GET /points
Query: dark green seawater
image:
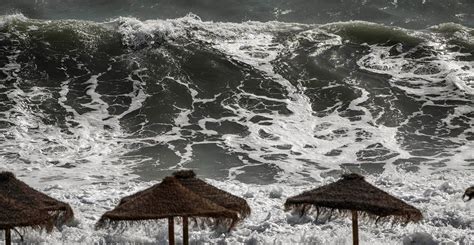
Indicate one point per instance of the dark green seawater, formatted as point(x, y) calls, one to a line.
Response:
point(256, 100)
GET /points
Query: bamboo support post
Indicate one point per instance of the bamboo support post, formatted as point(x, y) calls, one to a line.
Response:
point(8, 237)
point(171, 231)
point(355, 228)
point(185, 231)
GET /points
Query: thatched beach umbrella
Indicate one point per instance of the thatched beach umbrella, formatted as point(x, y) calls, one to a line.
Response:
point(353, 194)
point(13, 188)
point(16, 214)
point(469, 193)
point(167, 200)
point(222, 198)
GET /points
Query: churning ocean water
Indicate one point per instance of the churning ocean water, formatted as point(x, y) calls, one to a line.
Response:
point(265, 99)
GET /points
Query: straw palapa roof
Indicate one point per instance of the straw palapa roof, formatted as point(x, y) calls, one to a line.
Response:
point(188, 179)
point(352, 192)
point(15, 214)
point(165, 200)
point(222, 198)
point(12, 188)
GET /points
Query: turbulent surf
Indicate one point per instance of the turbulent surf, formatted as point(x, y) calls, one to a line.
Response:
point(92, 110)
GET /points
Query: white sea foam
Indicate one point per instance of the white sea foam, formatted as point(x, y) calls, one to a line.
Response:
point(4, 19)
point(446, 217)
point(423, 71)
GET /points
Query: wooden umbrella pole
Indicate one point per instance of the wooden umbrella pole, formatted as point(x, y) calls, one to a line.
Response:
point(355, 228)
point(8, 237)
point(185, 231)
point(171, 230)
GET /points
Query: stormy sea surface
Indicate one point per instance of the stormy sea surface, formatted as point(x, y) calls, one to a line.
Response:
point(264, 99)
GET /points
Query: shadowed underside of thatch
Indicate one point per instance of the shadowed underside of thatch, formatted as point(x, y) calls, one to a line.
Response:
point(15, 214)
point(164, 200)
point(188, 179)
point(15, 189)
point(352, 192)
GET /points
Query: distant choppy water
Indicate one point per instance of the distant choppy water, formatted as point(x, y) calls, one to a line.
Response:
point(416, 14)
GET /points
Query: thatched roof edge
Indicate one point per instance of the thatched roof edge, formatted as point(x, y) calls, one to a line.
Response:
point(61, 212)
point(305, 209)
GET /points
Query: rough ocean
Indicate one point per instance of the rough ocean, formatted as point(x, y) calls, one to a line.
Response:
point(264, 99)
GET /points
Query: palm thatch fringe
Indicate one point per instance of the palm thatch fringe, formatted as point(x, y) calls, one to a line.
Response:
point(122, 225)
point(21, 230)
point(193, 221)
point(306, 209)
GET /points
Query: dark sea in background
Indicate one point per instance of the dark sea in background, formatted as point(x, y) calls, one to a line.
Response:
point(95, 92)
point(412, 14)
